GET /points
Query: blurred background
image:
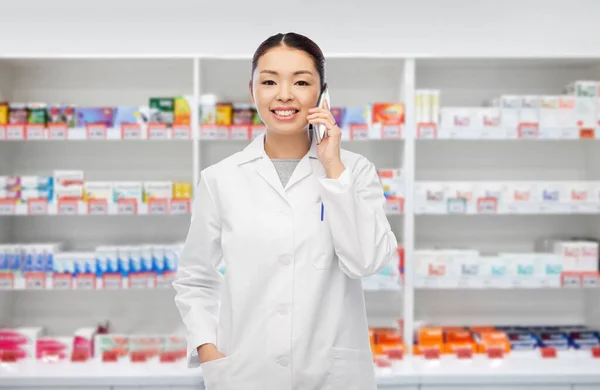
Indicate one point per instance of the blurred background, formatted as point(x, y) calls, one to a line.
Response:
point(483, 119)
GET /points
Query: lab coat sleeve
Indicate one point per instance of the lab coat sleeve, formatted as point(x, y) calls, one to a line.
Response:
point(198, 280)
point(354, 208)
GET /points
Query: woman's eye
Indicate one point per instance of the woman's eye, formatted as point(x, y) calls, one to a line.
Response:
point(268, 82)
point(302, 83)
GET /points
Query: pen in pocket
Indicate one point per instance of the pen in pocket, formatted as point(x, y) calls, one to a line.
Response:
point(322, 211)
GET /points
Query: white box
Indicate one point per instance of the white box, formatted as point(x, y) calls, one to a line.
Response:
point(488, 121)
point(99, 190)
point(431, 197)
point(456, 191)
point(582, 88)
point(157, 190)
point(578, 192)
point(490, 191)
point(71, 191)
point(586, 115)
point(68, 178)
point(530, 110)
point(569, 252)
point(588, 256)
point(553, 197)
point(127, 190)
point(549, 268)
point(549, 112)
point(567, 117)
point(521, 197)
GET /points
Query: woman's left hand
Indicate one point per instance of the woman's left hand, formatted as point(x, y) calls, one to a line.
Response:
point(329, 148)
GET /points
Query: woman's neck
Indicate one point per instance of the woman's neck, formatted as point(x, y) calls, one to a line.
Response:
point(287, 146)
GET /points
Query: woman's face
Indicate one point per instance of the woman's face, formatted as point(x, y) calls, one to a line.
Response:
point(285, 85)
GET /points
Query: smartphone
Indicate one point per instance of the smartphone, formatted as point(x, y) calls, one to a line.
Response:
point(319, 129)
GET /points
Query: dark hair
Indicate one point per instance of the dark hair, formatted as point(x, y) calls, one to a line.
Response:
point(295, 41)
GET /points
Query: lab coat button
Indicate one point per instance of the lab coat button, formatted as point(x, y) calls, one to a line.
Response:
point(283, 362)
point(286, 260)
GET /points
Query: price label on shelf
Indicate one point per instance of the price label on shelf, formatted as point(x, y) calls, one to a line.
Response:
point(590, 280)
point(138, 357)
point(35, 280)
point(223, 132)
point(596, 352)
point(7, 207)
point(62, 281)
point(180, 206)
point(587, 133)
point(457, 206)
point(15, 132)
point(109, 356)
point(391, 132)
point(37, 206)
point(495, 353)
point(208, 131)
point(427, 131)
point(168, 357)
point(8, 356)
point(529, 130)
point(80, 355)
point(359, 132)
point(257, 130)
point(487, 205)
point(58, 131)
point(7, 281)
point(240, 132)
point(158, 206)
point(158, 131)
point(431, 353)
point(464, 352)
point(35, 132)
point(68, 207)
point(127, 207)
point(85, 282)
point(181, 132)
point(139, 281)
point(165, 280)
point(97, 207)
point(112, 281)
point(394, 206)
point(548, 352)
point(570, 280)
point(131, 131)
point(96, 131)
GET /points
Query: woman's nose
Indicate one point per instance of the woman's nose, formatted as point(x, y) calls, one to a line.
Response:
point(285, 93)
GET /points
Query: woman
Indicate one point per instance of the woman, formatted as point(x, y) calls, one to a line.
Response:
point(297, 225)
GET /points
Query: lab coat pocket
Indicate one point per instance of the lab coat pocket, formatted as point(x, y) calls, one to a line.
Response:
point(214, 374)
point(353, 370)
point(321, 240)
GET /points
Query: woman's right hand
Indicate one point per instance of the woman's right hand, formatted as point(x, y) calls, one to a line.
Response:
point(208, 353)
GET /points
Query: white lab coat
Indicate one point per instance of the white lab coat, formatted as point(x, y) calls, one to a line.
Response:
point(289, 312)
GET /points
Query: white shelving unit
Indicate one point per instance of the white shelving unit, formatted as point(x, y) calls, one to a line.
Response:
point(353, 80)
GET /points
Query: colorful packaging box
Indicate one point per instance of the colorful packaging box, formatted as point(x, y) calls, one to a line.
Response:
point(95, 115)
point(165, 109)
point(388, 114)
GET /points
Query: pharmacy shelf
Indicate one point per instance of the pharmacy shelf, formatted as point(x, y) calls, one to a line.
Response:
point(41, 281)
point(530, 133)
point(96, 132)
point(157, 207)
point(160, 132)
point(568, 280)
point(568, 369)
point(167, 207)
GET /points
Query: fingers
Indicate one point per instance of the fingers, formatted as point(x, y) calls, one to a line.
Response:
point(329, 124)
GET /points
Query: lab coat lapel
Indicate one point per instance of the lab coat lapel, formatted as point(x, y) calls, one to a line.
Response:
point(255, 155)
point(306, 166)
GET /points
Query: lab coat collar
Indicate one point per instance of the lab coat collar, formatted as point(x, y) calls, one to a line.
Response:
point(256, 149)
point(265, 168)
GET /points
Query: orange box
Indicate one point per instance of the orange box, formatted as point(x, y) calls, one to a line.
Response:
point(388, 113)
point(458, 335)
point(493, 339)
point(429, 338)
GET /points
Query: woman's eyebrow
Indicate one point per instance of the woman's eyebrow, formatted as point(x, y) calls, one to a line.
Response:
point(295, 73)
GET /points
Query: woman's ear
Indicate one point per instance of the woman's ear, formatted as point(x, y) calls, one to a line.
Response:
point(251, 93)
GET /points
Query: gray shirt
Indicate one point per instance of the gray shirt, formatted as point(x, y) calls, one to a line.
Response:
point(285, 167)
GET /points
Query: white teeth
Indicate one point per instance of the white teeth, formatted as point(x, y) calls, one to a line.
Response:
point(285, 112)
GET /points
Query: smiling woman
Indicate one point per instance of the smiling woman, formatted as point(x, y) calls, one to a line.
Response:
point(290, 313)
